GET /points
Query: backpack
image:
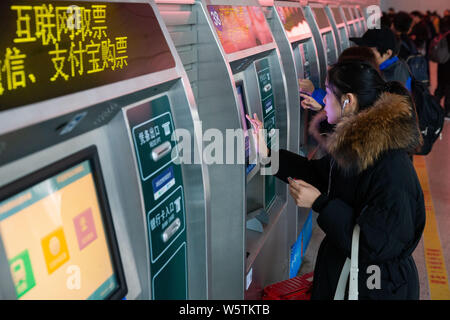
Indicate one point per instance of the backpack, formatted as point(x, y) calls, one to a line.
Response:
point(417, 63)
point(439, 51)
point(430, 114)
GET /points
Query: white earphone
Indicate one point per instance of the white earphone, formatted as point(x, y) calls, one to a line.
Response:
point(346, 102)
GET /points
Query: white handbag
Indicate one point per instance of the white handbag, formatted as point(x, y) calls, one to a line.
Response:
point(350, 267)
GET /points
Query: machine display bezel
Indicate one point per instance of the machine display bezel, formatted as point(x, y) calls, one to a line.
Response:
point(247, 128)
point(89, 154)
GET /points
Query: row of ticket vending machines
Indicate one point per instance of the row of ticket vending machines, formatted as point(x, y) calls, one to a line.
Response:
point(127, 167)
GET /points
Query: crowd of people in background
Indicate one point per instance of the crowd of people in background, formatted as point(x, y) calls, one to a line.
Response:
point(400, 50)
point(415, 33)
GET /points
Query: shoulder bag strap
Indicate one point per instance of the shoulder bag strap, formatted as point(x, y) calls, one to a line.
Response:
point(353, 292)
point(350, 267)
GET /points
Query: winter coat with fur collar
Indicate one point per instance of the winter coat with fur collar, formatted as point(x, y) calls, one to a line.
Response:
point(368, 179)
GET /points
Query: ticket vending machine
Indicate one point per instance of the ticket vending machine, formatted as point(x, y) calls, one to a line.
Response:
point(299, 57)
point(362, 21)
point(351, 22)
point(234, 67)
point(93, 202)
point(338, 24)
point(324, 35)
point(297, 50)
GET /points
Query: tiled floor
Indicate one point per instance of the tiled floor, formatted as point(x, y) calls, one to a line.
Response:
point(438, 168)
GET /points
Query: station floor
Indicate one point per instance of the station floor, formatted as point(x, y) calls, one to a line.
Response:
point(432, 255)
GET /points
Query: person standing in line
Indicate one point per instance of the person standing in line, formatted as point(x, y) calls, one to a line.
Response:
point(385, 46)
point(443, 88)
point(401, 27)
point(420, 33)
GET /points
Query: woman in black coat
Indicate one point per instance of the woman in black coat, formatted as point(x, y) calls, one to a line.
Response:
point(368, 179)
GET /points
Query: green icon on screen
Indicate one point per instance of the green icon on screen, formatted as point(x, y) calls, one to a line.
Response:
point(22, 273)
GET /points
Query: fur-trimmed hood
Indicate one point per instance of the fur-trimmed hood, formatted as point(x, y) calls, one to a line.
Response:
point(360, 139)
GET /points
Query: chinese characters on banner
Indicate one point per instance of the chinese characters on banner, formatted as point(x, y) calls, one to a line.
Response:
point(75, 38)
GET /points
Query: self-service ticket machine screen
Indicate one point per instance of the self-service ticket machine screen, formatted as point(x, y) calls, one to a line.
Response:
point(56, 222)
point(250, 145)
point(261, 102)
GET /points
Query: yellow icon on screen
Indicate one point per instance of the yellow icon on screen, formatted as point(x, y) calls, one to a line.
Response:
point(55, 250)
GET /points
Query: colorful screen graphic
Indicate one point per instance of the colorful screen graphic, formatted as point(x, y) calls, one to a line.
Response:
point(53, 48)
point(239, 27)
point(293, 21)
point(337, 15)
point(54, 238)
point(321, 18)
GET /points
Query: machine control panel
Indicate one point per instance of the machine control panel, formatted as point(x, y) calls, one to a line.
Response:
point(268, 105)
point(152, 129)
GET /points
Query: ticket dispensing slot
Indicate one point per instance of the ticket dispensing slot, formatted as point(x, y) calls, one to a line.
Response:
point(161, 150)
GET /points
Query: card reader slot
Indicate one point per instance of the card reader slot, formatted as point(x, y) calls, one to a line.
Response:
point(161, 150)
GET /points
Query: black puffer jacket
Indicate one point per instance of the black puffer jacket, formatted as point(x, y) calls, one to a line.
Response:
point(367, 179)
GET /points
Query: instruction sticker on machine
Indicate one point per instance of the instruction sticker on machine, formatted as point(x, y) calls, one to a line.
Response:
point(154, 145)
point(166, 222)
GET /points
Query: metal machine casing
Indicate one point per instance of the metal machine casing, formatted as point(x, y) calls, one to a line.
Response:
point(238, 258)
point(33, 136)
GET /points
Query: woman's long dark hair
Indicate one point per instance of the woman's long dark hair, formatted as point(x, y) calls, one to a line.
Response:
point(361, 79)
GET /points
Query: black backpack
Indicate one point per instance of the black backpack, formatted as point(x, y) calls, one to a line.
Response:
point(430, 113)
point(439, 51)
point(417, 63)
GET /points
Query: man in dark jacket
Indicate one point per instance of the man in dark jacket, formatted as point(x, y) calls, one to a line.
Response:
point(401, 27)
point(385, 47)
point(420, 33)
point(443, 89)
